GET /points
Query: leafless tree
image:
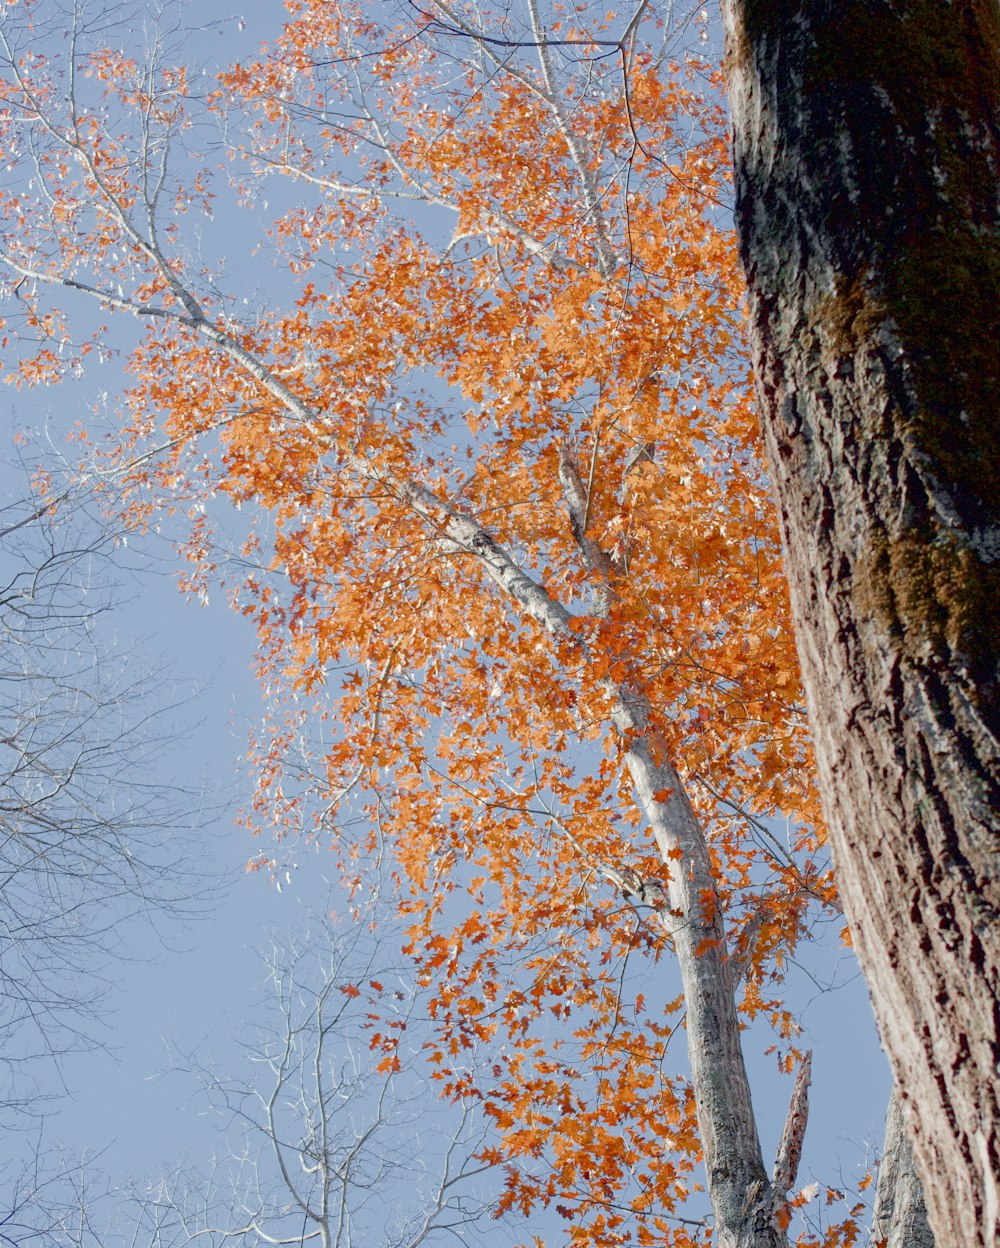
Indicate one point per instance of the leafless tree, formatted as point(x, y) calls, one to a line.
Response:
point(334, 1134)
point(89, 838)
point(52, 1201)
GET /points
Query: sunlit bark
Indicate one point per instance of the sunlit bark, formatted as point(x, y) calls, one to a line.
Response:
point(866, 152)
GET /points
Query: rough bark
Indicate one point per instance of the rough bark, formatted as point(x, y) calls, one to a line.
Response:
point(867, 145)
point(900, 1214)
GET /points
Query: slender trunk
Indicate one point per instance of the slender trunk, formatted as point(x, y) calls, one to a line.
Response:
point(900, 1214)
point(743, 1199)
point(867, 146)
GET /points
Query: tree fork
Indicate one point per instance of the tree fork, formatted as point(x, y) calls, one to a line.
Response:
point(867, 147)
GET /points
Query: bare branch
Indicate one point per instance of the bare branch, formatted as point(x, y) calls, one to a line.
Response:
point(786, 1162)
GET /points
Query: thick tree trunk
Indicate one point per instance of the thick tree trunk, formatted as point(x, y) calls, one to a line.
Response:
point(867, 144)
point(900, 1214)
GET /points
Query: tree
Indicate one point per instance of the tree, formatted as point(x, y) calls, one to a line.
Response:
point(49, 1201)
point(516, 576)
point(90, 842)
point(329, 1140)
point(900, 1215)
point(324, 1141)
point(866, 140)
point(89, 837)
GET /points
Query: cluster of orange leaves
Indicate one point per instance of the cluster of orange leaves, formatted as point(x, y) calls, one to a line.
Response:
point(457, 323)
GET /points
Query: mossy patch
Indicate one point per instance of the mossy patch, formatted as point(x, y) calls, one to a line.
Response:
point(846, 317)
point(934, 594)
point(945, 297)
point(928, 207)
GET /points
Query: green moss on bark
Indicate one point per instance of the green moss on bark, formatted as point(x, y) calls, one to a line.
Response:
point(944, 296)
point(932, 593)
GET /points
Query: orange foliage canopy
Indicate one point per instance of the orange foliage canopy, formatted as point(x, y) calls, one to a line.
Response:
point(512, 557)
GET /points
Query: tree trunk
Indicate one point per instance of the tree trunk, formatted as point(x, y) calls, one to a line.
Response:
point(900, 1214)
point(867, 143)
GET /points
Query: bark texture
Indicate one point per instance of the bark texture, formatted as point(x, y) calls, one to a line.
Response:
point(900, 1214)
point(867, 145)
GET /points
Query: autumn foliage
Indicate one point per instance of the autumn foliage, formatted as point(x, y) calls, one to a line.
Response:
point(510, 554)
